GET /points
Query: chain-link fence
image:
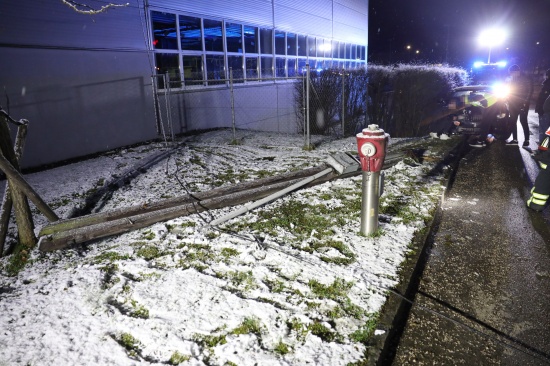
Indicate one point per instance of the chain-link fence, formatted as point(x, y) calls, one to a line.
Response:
point(329, 104)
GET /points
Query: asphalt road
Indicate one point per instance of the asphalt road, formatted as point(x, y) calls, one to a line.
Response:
point(484, 294)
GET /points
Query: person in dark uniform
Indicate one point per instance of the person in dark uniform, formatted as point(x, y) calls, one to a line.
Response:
point(541, 191)
point(521, 90)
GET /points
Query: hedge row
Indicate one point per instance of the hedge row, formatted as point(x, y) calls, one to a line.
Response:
point(402, 99)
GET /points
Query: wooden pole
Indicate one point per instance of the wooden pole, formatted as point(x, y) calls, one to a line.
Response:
point(79, 235)
point(23, 215)
point(100, 217)
point(7, 203)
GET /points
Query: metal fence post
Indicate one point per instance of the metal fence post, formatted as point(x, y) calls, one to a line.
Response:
point(307, 107)
point(168, 96)
point(343, 102)
point(232, 103)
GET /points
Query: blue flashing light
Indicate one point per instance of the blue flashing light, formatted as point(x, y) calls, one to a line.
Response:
point(478, 64)
point(502, 63)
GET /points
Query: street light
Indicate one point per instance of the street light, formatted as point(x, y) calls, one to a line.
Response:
point(491, 37)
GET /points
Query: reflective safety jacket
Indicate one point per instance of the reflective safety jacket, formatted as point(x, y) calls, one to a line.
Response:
point(541, 191)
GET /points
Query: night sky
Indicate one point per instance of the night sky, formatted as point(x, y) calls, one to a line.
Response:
point(444, 31)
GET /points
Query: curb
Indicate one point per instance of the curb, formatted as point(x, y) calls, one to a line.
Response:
point(395, 312)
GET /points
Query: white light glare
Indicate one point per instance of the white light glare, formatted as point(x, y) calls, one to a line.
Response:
point(501, 90)
point(492, 37)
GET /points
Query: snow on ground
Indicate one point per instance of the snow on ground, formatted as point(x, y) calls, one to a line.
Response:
point(290, 283)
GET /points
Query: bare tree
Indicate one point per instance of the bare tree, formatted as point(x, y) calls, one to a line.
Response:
point(86, 9)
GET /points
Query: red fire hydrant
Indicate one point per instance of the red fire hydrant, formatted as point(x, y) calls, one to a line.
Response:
point(371, 145)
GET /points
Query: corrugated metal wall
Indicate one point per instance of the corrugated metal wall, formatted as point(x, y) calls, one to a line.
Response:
point(82, 81)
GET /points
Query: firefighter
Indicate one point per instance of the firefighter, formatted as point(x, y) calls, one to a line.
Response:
point(541, 191)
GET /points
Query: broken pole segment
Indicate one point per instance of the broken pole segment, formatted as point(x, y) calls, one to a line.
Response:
point(7, 202)
point(23, 215)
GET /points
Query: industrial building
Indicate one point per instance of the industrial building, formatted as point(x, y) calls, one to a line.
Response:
point(90, 83)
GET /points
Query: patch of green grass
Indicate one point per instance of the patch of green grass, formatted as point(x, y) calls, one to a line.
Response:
point(276, 286)
point(149, 252)
point(138, 311)
point(148, 276)
point(209, 341)
point(239, 279)
point(296, 326)
point(249, 325)
point(263, 173)
point(131, 344)
point(17, 261)
point(336, 291)
point(211, 235)
point(364, 334)
point(227, 253)
point(281, 348)
point(148, 235)
point(322, 332)
point(377, 234)
point(110, 257)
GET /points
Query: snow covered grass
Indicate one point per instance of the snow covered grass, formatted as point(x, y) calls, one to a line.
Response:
point(290, 283)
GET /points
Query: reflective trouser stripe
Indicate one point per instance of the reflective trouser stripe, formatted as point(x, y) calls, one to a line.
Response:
point(537, 198)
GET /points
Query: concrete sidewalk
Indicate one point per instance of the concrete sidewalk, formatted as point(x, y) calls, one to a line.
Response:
point(483, 295)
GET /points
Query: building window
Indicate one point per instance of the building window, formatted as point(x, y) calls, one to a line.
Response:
point(236, 65)
point(168, 64)
point(192, 70)
point(348, 51)
point(335, 49)
point(164, 31)
point(280, 70)
point(291, 67)
point(250, 39)
point(302, 62)
point(291, 44)
point(266, 41)
point(252, 68)
point(280, 43)
point(267, 67)
point(213, 38)
point(302, 46)
point(190, 33)
point(234, 37)
point(215, 69)
point(311, 47)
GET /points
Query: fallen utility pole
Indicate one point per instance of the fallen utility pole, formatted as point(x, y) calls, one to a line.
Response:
point(100, 217)
point(62, 239)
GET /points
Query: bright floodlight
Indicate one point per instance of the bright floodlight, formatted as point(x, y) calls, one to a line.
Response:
point(492, 37)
